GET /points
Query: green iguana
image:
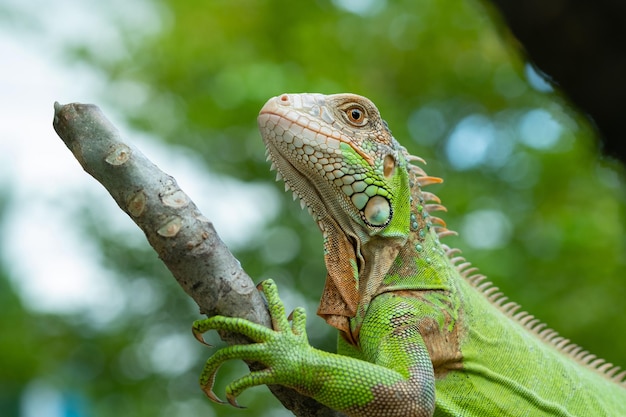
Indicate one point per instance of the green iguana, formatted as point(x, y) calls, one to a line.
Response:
point(421, 333)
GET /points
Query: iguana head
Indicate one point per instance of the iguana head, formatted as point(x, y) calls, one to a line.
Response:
point(339, 157)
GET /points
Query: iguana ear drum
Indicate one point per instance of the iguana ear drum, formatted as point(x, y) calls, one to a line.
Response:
point(377, 211)
point(389, 166)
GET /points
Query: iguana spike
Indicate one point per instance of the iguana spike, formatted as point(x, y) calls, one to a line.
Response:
point(462, 266)
point(428, 180)
point(413, 158)
point(417, 170)
point(620, 377)
point(585, 357)
point(560, 342)
point(573, 350)
point(597, 363)
point(477, 279)
point(434, 207)
point(510, 308)
point(548, 334)
point(445, 233)
point(538, 327)
point(608, 368)
point(469, 271)
point(500, 301)
point(521, 315)
point(437, 221)
point(531, 321)
point(613, 371)
point(489, 291)
point(430, 197)
point(451, 251)
point(454, 261)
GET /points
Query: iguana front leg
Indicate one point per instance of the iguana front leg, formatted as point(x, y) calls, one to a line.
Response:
point(404, 386)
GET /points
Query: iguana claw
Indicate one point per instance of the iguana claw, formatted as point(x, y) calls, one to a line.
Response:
point(270, 344)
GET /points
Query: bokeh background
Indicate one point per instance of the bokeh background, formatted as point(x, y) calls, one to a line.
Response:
point(91, 323)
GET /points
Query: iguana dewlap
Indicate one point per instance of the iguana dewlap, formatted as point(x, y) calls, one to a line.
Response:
point(420, 333)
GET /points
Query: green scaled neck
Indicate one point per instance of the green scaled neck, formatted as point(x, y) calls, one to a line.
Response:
point(422, 263)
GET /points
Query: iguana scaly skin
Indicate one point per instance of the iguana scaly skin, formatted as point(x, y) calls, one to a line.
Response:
point(421, 334)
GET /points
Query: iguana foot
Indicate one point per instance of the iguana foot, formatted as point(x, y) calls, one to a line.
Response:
point(280, 349)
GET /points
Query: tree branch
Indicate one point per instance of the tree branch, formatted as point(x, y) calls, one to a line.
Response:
point(184, 239)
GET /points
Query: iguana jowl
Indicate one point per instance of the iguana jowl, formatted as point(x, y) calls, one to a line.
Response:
point(421, 334)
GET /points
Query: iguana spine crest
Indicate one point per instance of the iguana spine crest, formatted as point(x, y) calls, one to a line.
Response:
point(498, 299)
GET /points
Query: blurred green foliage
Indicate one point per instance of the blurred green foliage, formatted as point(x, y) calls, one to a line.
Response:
point(539, 210)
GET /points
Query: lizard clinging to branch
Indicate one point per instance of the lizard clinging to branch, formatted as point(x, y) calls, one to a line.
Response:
point(421, 333)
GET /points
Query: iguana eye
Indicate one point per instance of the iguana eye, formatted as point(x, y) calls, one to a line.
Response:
point(356, 115)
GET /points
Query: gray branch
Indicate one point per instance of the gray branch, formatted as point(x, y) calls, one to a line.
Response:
point(184, 239)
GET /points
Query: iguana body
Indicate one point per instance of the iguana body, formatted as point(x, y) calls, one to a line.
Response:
point(420, 334)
